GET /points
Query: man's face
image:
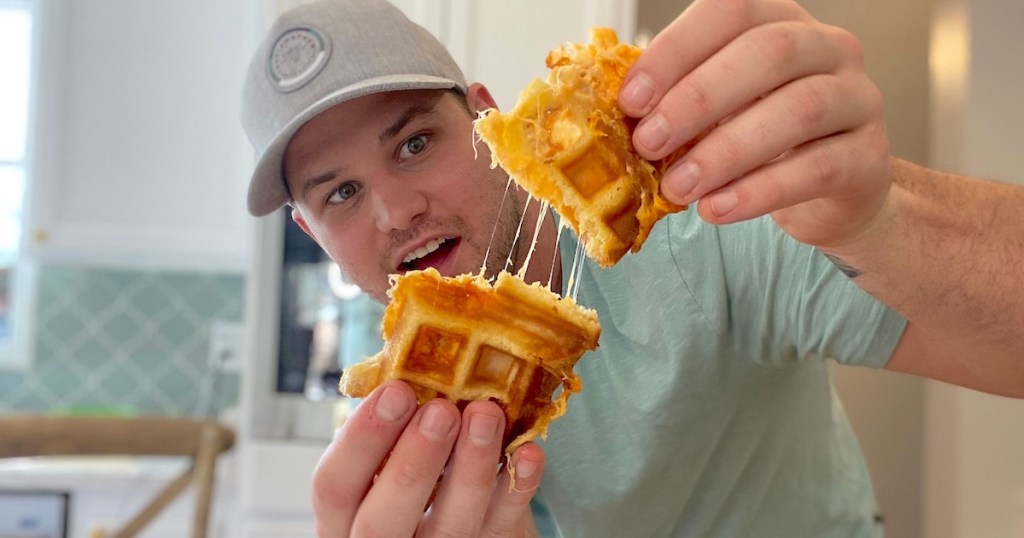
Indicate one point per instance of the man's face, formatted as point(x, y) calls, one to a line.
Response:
point(390, 182)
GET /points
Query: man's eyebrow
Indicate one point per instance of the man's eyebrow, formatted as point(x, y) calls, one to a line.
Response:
point(313, 182)
point(414, 111)
point(411, 113)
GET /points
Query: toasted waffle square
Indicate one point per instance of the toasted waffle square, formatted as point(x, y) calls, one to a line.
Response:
point(566, 142)
point(464, 339)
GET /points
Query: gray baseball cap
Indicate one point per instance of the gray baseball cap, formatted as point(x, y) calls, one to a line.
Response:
point(324, 53)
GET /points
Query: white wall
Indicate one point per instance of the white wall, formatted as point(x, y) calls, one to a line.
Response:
point(994, 126)
point(974, 469)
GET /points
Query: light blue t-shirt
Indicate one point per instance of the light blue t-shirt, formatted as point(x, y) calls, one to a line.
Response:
point(708, 409)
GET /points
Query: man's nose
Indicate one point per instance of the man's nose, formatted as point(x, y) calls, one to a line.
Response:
point(396, 204)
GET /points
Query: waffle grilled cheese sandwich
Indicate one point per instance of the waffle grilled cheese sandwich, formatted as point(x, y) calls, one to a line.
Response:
point(567, 143)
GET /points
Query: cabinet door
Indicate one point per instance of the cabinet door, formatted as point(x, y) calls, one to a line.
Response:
point(140, 158)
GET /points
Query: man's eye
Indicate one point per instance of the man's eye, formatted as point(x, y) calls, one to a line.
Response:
point(412, 146)
point(344, 192)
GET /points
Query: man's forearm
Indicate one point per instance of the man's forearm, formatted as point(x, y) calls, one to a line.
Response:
point(948, 253)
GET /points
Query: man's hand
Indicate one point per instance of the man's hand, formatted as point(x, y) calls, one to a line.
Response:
point(354, 495)
point(793, 124)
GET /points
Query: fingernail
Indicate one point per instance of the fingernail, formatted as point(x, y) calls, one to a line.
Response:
point(436, 422)
point(638, 92)
point(723, 202)
point(681, 180)
point(391, 405)
point(525, 468)
point(653, 132)
point(483, 429)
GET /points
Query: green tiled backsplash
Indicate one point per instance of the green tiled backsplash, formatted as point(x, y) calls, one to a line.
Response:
point(130, 340)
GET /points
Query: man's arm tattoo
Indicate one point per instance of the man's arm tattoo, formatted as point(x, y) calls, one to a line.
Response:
point(847, 269)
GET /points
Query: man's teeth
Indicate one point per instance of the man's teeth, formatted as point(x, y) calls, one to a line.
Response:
point(431, 246)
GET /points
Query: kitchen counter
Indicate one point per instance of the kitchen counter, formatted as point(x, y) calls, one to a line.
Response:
point(62, 473)
point(106, 491)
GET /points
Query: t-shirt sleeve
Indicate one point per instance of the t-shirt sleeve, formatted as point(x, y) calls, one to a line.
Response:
point(780, 300)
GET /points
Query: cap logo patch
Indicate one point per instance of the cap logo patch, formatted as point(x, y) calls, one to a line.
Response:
point(297, 56)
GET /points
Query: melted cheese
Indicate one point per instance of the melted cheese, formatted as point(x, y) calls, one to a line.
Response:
point(566, 142)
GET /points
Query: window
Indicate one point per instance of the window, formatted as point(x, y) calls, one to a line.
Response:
point(16, 28)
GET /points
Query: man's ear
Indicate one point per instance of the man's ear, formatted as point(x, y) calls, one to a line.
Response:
point(297, 217)
point(479, 98)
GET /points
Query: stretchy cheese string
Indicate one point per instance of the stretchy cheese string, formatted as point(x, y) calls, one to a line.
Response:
point(519, 229)
point(536, 233)
point(497, 221)
point(475, 137)
point(571, 288)
point(579, 269)
point(554, 255)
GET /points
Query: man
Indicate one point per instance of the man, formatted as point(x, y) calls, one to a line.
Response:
point(707, 409)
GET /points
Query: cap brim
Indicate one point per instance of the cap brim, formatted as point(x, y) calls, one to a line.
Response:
point(267, 188)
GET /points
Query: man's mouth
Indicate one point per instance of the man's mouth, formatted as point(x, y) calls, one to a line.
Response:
point(432, 254)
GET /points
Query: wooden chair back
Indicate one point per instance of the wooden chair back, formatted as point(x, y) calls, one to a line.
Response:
point(200, 440)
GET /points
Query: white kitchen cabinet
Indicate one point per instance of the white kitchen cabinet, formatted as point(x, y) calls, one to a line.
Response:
point(139, 156)
point(276, 488)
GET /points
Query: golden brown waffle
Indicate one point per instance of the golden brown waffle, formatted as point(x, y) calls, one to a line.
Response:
point(463, 339)
point(566, 142)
